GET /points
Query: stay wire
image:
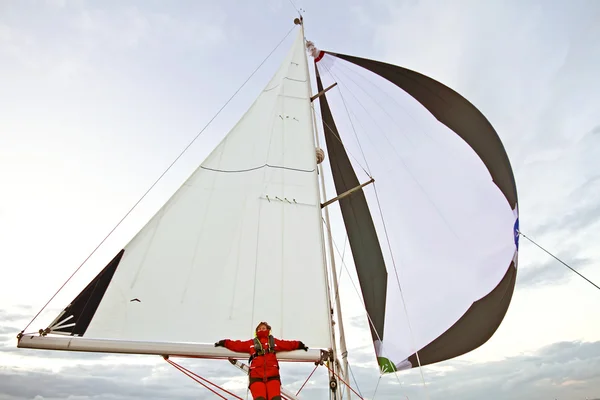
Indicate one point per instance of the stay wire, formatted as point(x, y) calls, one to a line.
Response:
point(558, 259)
point(159, 178)
point(370, 320)
point(387, 238)
point(388, 242)
point(350, 119)
point(295, 8)
point(355, 382)
point(412, 335)
point(377, 386)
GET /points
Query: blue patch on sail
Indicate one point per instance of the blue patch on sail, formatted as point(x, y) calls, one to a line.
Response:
point(516, 233)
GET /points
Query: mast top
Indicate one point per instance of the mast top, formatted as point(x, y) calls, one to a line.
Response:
point(298, 20)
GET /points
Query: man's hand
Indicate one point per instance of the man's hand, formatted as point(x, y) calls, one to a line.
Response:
point(302, 346)
point(220, 343)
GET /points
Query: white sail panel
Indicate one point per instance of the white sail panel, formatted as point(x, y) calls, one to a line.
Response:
point(239, 242)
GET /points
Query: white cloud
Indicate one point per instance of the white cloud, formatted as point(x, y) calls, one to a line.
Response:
point(562, 370)
point(57, 3)
point(100, 100)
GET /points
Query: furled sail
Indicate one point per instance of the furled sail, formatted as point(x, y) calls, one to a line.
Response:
point(241, 241)
point(449, 197)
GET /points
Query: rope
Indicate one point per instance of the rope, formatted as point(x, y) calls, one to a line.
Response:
point(382, 217)
point(350, 119)
point(385, 230)
point(340, 140)
point(306, 381)
point(344, 382)
point(412, 336)
point(194, 376)
point(295, 8)
point(377, 386)
point(559, 260)
point(159, 178)
point(354, 379)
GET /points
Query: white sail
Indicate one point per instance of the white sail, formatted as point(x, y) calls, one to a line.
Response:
point(240, 242)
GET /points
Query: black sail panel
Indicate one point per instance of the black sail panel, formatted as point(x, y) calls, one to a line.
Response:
point(362, 236)
point(475, 327)
point(454, 111)
point(81, 310)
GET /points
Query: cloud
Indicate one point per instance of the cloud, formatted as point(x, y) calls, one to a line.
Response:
point(9, 330)
point(57, 3)
point(531, 70)
point(561, 370)
point(539, 92)
point(551, 272)
point(14, 315)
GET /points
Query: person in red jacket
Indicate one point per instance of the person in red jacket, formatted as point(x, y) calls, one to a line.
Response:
point(264, 379)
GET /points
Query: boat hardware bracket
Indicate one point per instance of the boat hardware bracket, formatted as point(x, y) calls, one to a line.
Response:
point(322, 92)
point(346, 193)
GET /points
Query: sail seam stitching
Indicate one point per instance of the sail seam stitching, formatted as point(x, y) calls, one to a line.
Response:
point(257, 168)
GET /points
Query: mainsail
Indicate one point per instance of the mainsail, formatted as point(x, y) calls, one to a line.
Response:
point(240, 242)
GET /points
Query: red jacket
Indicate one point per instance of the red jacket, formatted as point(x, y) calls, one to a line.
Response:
point(264, 366)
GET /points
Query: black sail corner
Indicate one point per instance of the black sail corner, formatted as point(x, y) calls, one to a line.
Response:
point(76, 317)
point(454, 111)
point(467, 333)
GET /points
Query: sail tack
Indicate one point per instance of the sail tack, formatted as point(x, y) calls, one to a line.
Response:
point(448, 196)
point(240, 242)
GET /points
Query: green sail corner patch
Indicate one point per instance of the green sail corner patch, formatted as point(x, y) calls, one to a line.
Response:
point(385, 365)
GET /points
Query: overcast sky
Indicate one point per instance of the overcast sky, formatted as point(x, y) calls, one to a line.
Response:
point(98, 98)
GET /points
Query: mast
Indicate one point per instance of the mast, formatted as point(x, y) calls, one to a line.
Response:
point(336, 299)
point(340, 322)
point(338, 306)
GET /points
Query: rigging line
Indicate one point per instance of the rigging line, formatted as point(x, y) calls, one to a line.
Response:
point(355, 382)
point(337, 289)
point(385, 228)
point(340, 140)
point(427, 133)
point(358, 294)
point(159, 178)
point(363, 303)
point(307, 379)
point(295, 8)
point(343, 381)
point(355, 288)
point(401, 291)
point(375, 101)
point(339, 276)
point(197, 378)
point(413, 177)
point(388, 242)
point(377, 387)
point(558, 259)
point(351, 123)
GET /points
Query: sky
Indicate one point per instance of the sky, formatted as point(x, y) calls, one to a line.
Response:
point(98, 98)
